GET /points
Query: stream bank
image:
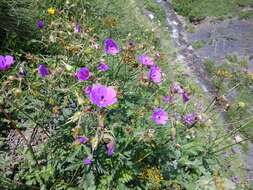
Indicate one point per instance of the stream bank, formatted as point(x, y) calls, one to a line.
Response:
point(223, 39)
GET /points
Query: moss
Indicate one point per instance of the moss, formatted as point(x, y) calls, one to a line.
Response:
point(198, 44)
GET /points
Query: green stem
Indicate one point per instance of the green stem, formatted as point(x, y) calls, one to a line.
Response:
point(118, 67)
point(228, 146)
point(230, 133)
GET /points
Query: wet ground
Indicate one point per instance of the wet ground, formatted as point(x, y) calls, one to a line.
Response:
point(222, 38)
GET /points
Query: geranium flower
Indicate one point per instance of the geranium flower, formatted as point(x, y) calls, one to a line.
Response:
point(146, 60)
point(236, 179)
point(83, 139)
point(6, 62)
point(42, 70)
point(83, 74)
point(167, 99)
point(190, 119)
point(87, 90)
point(40, 24)
point(87, 161)
point(110, 148)
point(103, 67)
point(22, 72)
point(111, 47)
point(160, 116)
point(102, 96)
point(185, 97)
point(77, 28)
point(176, 88)
point(155, 74)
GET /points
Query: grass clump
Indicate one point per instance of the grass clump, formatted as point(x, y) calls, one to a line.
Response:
point(198, 44)
point(17, 22)
point(196, 10)
point(155, 8)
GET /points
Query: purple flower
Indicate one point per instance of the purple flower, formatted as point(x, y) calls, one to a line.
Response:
point(185, 97)
point(83, 140)
point(43, 71)
point(190, 119)
point(146, 60)
point(176, 88)
point(40, 24)
point(22, 72)
point(155, 74)
point(83, 74)
point(111, 47)
point(87, 161)
point(77, 28)
point(167, 99)
point(159, 116)
point(87, 90)
point(235, 179)
point(6, 62)
point(110, 148)
point(158, 55)
point(102, 96)
point(103, 67)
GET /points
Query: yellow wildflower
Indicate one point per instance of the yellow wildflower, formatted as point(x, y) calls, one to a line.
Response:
point(51, 11)
point(153, 175)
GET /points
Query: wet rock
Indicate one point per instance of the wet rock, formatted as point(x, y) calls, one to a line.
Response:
point(223, 38)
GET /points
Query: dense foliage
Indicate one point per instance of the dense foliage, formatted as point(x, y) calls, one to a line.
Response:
point(91, 105)
point(16, 26)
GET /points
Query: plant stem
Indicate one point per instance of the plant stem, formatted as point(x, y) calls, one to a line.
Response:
point(228, 146)
point(118, 67)
point(230, 133)
point(212, 102)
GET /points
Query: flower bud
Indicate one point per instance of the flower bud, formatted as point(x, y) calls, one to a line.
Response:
point(173, 132)
point(94, 143)
point(80, 100)
point(68, 67)
point(241, 105)
point(18, 92)
point(11, 78)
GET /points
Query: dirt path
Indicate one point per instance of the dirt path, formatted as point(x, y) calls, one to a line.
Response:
point(194, 59)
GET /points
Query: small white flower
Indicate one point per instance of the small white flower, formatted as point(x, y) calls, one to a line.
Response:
point(238, 138)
